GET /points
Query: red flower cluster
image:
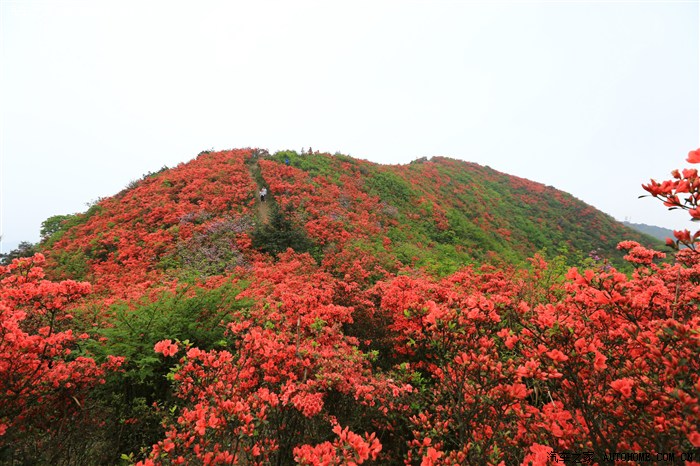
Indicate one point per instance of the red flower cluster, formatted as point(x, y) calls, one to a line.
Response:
point(42, 386)
point(167, 347)
point(349, 449)
point(685, 182)
point(124, 242)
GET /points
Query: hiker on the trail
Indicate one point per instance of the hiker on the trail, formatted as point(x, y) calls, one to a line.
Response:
point(286, 160)
point(263, 193)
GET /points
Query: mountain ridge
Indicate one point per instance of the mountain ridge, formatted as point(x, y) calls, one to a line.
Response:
point(439, 214)
point(660, 233)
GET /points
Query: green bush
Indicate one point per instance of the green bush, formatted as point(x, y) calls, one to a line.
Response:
point(70, 265)
point(191, 316)
point(24, 249)
point(390, 188)
point(280, 233)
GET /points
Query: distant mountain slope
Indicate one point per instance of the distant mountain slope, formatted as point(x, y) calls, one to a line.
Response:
point(199, 219)
point(651, 230)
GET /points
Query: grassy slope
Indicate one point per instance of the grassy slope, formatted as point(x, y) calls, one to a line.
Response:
point(444, 213)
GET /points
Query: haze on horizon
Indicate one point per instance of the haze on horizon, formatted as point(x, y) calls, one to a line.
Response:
point(593, 98)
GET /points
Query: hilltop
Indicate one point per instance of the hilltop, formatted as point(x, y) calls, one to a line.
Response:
point(203, 218)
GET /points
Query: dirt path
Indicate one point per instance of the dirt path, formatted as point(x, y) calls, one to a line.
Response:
point(263, 211)
point(263, 208)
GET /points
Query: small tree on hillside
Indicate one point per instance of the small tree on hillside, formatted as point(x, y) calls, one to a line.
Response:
point(280, 233)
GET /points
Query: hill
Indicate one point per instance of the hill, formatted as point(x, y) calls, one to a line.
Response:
point(202, 218)
point(659, 233)
point(363, 313)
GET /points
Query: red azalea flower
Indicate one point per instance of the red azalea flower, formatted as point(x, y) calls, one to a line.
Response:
point(167, 347)
point(693, 156)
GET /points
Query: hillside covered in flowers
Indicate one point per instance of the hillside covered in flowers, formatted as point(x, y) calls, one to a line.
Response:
point(438, 312)
point(202, 217)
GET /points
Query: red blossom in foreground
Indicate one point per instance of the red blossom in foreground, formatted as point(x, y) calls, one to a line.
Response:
point(639, 254)
point(348, 449)
point(167, 347)
point(289, 354)
point(693, 156)
point(624, 386)
point(685, 182)
point(41, 384)
point(538, 455)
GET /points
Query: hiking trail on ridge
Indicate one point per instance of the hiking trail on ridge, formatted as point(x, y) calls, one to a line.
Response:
point(263, 208)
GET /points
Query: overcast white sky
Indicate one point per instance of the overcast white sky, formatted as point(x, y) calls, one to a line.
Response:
point(593, 98)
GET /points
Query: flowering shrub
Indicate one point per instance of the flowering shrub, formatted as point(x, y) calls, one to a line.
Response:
point(175, 218)
point(684, 182)
point(349, 448)
point(43, 386)
point(269, 391)
point(381, 346)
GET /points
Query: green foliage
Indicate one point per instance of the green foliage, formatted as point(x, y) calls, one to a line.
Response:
point(54, 228)
point(445, 259)
point(52, 225)
point(344, 158)
point(255, 172)
point(318, 324)
point(323, 165)
point(24, 249)
point(192, 316)
point(468, 234)
point(292, 155)
point(151, 174)
point(280, 233)
point(407, 253)
point(317, 165)
point(71, 265)
point(390, 188)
